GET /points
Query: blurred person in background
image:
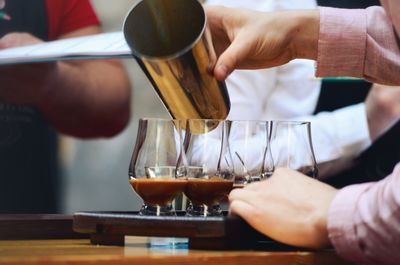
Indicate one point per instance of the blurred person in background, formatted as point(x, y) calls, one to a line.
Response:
point(79, 98)
point(94, 172)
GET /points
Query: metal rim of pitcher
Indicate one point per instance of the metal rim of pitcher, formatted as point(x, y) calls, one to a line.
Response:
point(173, 55)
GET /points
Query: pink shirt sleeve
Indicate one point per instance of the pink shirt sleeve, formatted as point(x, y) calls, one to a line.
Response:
point(361, 43)
point(364, 221)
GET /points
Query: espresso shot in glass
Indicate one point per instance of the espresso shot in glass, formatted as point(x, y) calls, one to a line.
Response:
point(209, 166)
point(156, 171)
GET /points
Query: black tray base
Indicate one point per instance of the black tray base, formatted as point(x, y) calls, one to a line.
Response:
point(225, 232)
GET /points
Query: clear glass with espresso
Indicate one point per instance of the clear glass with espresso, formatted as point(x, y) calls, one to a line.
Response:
point(161, 190)
point(209, 166)
point(156, 171)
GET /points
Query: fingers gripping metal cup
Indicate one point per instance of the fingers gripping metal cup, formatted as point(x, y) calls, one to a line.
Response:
point(173, 46)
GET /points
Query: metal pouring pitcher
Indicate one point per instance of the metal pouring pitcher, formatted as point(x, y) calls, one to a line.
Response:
point(172, 44)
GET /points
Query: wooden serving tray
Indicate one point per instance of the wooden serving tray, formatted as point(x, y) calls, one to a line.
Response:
point(226, 232)
point(37, 226)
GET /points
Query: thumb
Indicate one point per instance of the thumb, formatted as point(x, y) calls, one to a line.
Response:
point(231, 58)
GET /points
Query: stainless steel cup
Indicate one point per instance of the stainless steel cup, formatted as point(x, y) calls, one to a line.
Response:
point(171, 42)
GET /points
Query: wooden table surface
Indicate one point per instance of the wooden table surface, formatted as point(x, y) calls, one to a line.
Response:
point(137, 251)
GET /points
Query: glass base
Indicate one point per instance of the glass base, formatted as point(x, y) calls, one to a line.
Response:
point(204, 210)
point(156, 210)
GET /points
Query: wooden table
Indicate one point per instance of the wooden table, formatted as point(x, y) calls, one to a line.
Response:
point(49, 239)
point(137, 251)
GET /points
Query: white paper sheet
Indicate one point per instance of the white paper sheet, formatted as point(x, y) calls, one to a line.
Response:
point(105, 45)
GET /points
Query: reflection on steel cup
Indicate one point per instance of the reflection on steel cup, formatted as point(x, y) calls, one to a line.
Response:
point(172, 44)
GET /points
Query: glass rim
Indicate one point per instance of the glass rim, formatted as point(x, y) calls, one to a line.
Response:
point(173, 55)
point(288, 122)
point(196, 119)
point(255, 121)
point(159, 119)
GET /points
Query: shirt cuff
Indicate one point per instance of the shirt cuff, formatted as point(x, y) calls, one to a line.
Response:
point(342, 42)
point(342, 222)
point(352, 130)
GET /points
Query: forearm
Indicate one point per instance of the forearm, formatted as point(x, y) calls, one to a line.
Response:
point(340, 133)
point(87, 99)
point(364, 221)
point(359, 43)
point(338, 137)
point(348, 42)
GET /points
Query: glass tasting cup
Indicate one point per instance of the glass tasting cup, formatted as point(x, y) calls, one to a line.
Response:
point(156, 171)
point(209, 166)
point(291, 146)
point(249, 146)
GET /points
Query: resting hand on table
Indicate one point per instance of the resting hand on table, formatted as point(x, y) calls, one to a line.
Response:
point(250, 40)
point(288, 207)
point(23, 84)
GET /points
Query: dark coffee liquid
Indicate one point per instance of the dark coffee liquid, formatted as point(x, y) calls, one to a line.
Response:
point(207, 191)
point(159, 192)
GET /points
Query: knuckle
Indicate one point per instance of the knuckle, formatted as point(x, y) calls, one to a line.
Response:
point(233, 194)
